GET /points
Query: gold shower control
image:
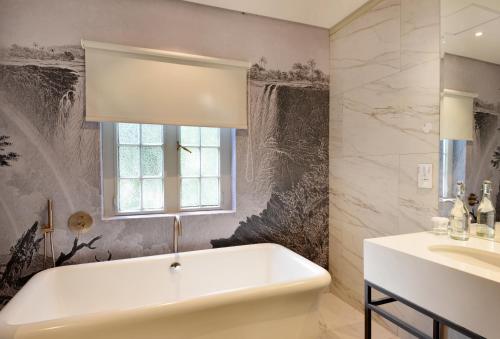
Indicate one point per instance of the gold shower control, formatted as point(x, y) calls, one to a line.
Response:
point(80, 222)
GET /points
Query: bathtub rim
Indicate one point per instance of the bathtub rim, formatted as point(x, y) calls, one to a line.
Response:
point(319, 280)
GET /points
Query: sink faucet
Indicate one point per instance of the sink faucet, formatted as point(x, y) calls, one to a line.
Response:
point(177, 232)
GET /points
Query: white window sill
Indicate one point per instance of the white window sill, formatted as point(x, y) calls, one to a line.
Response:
point(166, 215)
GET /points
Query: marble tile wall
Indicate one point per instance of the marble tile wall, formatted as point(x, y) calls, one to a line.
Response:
point(384, 120)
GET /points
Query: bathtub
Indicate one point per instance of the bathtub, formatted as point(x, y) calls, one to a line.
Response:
point(257, 291)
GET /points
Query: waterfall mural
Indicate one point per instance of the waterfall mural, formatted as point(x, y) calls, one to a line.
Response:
point(288, 159)
point(40, 92)
point(49, 151)
point(285, 157)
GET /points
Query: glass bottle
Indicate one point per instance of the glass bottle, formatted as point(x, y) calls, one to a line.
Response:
point(486, 213)
point(459, 216)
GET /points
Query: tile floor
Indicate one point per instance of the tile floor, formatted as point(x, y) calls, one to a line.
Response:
point(339, 320)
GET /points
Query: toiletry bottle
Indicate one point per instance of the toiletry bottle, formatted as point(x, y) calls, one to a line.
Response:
point(486, 214)
point(459, 216)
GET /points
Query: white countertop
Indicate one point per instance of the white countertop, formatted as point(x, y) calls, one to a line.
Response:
point(418, 244)
point(458, 280)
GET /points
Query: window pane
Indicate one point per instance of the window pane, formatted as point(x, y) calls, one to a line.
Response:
point(190, 162)
point(210, 136)
point(130, 195)
point(152, 193)
point(190, 136)
point(152, 161)
point(210, 162)
point(210, 192)
point(152, 134)
point(190, 192)
point(129, 161)
point(128, 134)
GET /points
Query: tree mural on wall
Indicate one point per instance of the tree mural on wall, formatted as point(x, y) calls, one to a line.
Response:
point(296, 218)
point(288, 131)
point(5, 156)
point(41, 84)
point(495, 162)
point(39, 52)
point(25, 261)
point(22, 254)
point(44, 85)
point(300, 72)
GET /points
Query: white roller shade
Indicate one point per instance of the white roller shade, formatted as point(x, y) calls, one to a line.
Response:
point(131, 84)
point(457, 115)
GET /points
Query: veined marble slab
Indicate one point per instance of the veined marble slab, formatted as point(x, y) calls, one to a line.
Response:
point(384, 117)
point(368, 48)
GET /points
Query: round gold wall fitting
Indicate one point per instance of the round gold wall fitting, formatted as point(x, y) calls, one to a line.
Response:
point(80, 222)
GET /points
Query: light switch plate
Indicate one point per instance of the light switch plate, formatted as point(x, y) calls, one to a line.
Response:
point(424, 175)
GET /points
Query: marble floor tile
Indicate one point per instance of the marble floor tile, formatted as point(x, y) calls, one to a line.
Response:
point(338, 320)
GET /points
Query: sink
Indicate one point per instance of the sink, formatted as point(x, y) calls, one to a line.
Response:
point(472, 256)
point(457, 280)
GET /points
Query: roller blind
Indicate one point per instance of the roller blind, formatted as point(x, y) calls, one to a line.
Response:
point(457, 115)
point(132, 84)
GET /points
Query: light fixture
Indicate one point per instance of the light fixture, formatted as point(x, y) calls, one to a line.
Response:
point(478, 34)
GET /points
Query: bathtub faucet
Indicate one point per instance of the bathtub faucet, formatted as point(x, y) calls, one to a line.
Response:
point(177, 232)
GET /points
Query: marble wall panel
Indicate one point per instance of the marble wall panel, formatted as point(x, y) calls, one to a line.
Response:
point(388, 123)
point(368, 48)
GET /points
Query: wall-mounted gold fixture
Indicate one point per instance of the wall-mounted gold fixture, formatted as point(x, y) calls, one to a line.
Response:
point(47, 230)
point(80, 222)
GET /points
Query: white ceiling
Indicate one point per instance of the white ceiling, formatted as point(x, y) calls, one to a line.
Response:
point(462, 19)
point(322, 13)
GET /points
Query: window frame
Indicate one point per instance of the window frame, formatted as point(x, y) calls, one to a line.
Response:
point(449, 163)
point(171, 175)
point(141, 177)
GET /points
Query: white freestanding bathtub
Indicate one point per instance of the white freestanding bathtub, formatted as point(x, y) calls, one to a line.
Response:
point(256, 291)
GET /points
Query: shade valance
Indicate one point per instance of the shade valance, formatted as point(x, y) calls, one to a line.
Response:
point(457, 115)
point(131, 84)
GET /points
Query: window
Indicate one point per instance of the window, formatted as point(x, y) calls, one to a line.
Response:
point(140, 167)
point(199, 167)
point(452, 167)
point(150, 169)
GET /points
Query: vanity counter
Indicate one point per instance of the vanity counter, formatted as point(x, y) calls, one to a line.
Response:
point(457, 280)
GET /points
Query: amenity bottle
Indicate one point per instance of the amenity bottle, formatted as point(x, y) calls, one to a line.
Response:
point(486, 214)
point(459, 216)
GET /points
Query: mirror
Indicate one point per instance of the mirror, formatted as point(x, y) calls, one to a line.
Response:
point(470, 101)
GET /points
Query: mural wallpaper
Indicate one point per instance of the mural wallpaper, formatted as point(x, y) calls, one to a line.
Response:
point(48, 150)
point(39, 83)
point(289, 143)
point(6, 157)
point(483, 154)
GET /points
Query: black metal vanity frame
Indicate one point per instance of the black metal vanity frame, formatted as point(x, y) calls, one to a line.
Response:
point(374, 305)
